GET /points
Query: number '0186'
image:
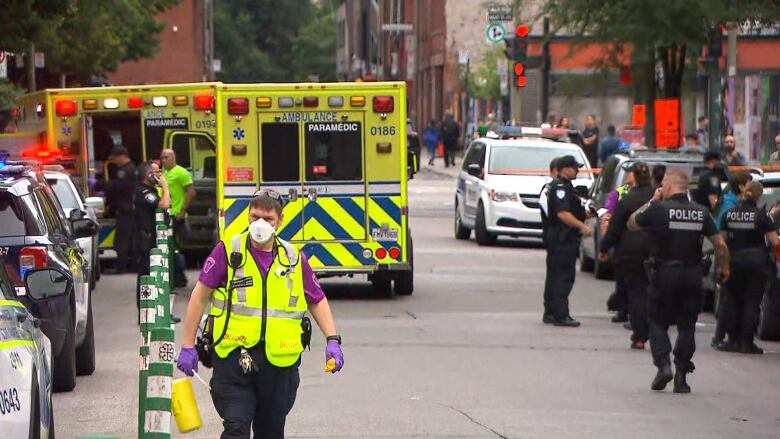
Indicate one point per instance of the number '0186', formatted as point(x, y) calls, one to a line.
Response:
point(9, 401)
point(383, 131)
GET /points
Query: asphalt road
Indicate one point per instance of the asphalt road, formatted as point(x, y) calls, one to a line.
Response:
point(466, 356)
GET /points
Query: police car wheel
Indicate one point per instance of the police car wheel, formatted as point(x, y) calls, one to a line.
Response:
point(35, 409)
point(85, 354)
point(64, 364)
point(480, 230)
point(769, 320)
point(460, 231)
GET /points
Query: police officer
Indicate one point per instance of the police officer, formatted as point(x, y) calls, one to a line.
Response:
point(566, 216)
point(119, 198)
point(632, 248)
point(745, 227)
point(146, 201)
point(547, 316)
point(709, 191)
point(676, 226)
point(259, 288)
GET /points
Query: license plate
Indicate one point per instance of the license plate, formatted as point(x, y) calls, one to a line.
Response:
point(3, 251)
point(384, 235)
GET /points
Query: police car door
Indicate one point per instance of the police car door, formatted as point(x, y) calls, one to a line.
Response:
point(334, 189)
point(472, 183)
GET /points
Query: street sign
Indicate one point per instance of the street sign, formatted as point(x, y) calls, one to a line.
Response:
point(3, 64)
point(495, 32)
point(499, 12)
point(667, 123)
point(397, 27)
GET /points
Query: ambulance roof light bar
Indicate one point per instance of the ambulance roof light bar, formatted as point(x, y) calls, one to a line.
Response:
point(65, 107)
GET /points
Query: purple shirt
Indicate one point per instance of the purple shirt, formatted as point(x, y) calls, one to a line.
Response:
point(611, 203)
point(214, 271)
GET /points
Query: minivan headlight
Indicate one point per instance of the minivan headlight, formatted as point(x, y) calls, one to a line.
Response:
point(500, 196)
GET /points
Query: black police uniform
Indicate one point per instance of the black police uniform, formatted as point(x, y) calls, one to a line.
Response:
point(547, 316)
point(563, 245)
point(747, 225)
point(709, 184)
point(145, 202)
point(119, 195)
point(676, 226)
point(632, 248)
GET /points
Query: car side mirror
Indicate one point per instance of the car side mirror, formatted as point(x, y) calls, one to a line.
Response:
point(84, 227)
point(475, 170)
point(46, 283)
point(94, 203)
point(581, 191)
point(76, 214)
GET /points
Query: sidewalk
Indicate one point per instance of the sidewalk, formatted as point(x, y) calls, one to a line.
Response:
point(438, 166)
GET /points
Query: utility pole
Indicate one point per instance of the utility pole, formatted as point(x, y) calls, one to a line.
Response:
point(545, 68)
point(31, 68)
point(715, 88)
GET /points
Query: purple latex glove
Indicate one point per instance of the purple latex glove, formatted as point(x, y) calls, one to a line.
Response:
point(188, 360)
point(333, 350)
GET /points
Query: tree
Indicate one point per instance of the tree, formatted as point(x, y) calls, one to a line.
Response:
point(485, 83)
point(661, 36)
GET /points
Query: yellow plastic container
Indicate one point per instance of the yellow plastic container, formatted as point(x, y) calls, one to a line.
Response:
point(184, 406)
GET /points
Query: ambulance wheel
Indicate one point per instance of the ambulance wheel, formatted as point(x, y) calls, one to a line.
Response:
point(769, 321)
point(382, 285)
point(85, 354)
point(64, 364)
point(404, 283)
point(460, 231)
point(480, 230)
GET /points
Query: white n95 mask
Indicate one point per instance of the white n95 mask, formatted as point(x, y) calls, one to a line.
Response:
point(261, 231)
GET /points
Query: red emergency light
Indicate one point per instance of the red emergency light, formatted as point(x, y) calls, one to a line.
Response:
point(65, 107)
point(237, 106)
point(135, 102)
point(203, 102)
point(383, 104)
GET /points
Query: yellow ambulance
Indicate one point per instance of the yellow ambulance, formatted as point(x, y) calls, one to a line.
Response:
point(76, 128)
point(338, 152)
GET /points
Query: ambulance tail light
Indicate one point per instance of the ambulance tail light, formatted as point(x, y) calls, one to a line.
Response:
point(32, 257)
point(380, 253)
point(394, 252)
point(65, 107)
point(135, 102)
point(238, 106)
point(383, 104)
point(204, 102)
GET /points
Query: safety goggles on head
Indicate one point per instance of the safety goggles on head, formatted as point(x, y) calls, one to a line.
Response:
point(270, 193)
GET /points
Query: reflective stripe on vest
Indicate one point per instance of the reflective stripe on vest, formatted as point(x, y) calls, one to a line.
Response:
point(622, 190)
point(284, 303)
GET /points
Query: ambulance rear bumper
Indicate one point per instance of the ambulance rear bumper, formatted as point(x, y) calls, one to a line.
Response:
point(323, 272)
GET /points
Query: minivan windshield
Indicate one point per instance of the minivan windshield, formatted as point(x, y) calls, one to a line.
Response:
point(528, 160)
point(64, 193)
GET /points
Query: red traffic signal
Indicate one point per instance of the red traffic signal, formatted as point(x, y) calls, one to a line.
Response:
point(522, 30)
point(519, 74)
point(519, 69)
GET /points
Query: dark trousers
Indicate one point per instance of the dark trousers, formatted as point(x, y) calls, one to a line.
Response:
point(561, 262)
point(179, 263)
point(255, 401)
point(123, 240)
point(636, 284)
point(744, 291)
point(547, 296)
point(449, 152)
point(674, 297)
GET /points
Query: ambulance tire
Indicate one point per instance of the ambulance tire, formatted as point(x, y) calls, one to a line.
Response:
point(382, 285)
point(64, 364)
point(404, 283)
point(480, 230)
point(85, 354)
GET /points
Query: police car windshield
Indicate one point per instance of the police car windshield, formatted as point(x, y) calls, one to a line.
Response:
point(11, 216)
point(526, 160)
point(64, 193)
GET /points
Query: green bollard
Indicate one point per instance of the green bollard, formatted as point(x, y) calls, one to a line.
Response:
point(148, 309)
point(162, 352)
point(143, 371)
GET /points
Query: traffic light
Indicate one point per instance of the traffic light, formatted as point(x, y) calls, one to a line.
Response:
point(519, 53)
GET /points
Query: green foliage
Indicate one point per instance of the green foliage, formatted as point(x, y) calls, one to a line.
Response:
point(485, 82)
point(275, 40)
point(8, 92)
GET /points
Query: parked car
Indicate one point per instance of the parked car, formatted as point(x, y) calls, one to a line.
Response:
point(35, 233)
point(71, 199)
point(500, 181)
point(25, 354)
point(612, 176)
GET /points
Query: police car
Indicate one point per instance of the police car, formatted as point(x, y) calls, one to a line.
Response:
point(500, 181)
point(769, 321)
point(25, 356)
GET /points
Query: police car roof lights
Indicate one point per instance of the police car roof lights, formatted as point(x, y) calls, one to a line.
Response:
point(12, 168)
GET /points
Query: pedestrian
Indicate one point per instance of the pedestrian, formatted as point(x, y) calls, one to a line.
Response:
point(547, 316)
point(774, 158)
point(708, 190)
point(182, 194)
point(492, 123)
point(692, 144)
point(618, 300)
point(632, 248)
point(146, 201)
point(563, 123)
point(610, 145)
point(450, 131)
point(119, 201)
point(566, 216)
point(747, 228)
point(733, 157)
point(676, 227)
point(590, 139)
point(702, 131)
point(431, 139)
point(257, 348)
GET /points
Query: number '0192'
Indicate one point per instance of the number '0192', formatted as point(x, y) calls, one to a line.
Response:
point(383, 131)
